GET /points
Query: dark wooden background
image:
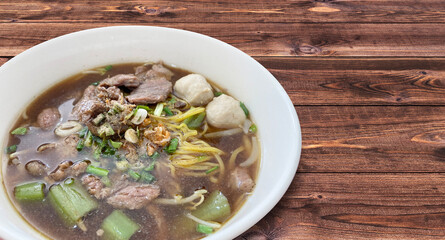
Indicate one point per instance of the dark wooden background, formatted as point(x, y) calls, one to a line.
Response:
point(367, 81)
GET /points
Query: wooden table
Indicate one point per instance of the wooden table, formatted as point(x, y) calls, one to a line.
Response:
point(367, 80)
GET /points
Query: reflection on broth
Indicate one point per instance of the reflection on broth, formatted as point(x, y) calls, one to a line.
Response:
point(132, 151)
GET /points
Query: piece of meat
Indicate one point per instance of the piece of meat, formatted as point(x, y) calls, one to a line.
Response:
point(134, 196)
point(89, 105)
point(158, 70)
point(48, 117)
point(36, 168)
point(95, 186)
point(61, 171)
point(145, 72)
point(180, 104)
point(152, 91)
point(225, 112)
point(240, 180)
point(126, 80)
point(78, 168)
point(113, 93)
point(195, 89)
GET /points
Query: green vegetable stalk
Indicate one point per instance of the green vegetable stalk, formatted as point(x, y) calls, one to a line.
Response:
point(71, 201)
point(117, 226)
point(30, 191)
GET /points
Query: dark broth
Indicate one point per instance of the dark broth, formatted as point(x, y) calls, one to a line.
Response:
point(42, 216)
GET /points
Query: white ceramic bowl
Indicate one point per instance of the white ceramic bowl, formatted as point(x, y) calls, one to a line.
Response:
point(31, 72)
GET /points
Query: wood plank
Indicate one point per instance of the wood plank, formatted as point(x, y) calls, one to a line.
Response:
point(382, 81)
point(279, 39)
point(357, 206)
point(372, 138)
point(150, 11)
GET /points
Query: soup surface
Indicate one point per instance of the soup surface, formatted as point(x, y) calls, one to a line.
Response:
point(131, 151)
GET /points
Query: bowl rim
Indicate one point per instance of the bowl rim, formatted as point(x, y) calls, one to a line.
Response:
point(288, 175)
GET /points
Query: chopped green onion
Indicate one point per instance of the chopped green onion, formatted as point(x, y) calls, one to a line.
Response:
point(203, 228)
point(101, 172)
point(246, 111)
point(212, 169)
point(136, 176)
point(89, 139)
point(138, 133)
point(95, 83)
point(109, 150)
point(143, 107)
point(252, 128)
point(147, 177)
point(97, 153)
point(172, 146)
point(118, 226)
point(155, 155)
point(11, 149)
point(172, 101)
point(150, 167)
point(131, 114)
point(105, 130)
point(19, 131)
point(195, 121)
point(122, 165)
point(108, 67)
point(80, 145)
point(158, 109)
point(117, 107)
point(71, 202)
point(106, 181)
point(30, 192)
point(217, 94)
point(114, 144)
point(167, 111)
point(83, 132)
point(98, 119)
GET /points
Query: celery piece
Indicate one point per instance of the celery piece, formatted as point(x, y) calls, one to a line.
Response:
point(245, 110)
point(30, 191)
point(203, 228)
point(117, 226)
point(215, 207)
point(71, 202)
point(19, 131)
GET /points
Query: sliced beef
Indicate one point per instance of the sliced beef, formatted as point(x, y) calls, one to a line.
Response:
point(134, 196)
point(152, 91)
point(95, 186)
point(48, 117)
point(61, 171)
point(113, 93)
point(145, 72)
point(240, 180)
point(89, 105)
point(36, 168)
point(126, 80)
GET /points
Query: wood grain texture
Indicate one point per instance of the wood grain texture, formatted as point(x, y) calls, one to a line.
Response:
point(150, 11)
point(270, 39)
point(340, 81)
point(357, 206)
point(372, 138)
